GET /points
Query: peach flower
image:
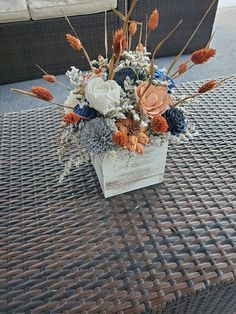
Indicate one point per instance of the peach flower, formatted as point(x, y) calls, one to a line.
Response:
point(155, 101)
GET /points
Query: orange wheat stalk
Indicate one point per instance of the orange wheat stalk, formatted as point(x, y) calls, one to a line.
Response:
point(153, 20)
point(42, 93)
point(208, 86)
point(202, 55)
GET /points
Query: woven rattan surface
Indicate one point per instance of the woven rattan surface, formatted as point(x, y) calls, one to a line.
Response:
point(168, 247)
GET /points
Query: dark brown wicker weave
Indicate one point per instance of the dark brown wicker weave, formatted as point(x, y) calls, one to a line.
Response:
point(168, 248)
point(171, 12)
point(43, 42)
point(25, 43)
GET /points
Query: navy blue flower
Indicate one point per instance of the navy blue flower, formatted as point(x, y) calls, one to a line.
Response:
point(86, 111)
point(176, 121)
point(161, 75)
point(122, 74)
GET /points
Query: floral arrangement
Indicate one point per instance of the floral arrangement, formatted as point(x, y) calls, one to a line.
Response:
point(125, 102)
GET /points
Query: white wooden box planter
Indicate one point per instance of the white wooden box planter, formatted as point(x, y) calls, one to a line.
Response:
point(121, 172)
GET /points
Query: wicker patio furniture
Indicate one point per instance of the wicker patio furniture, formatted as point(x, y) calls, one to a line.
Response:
point(171, 12)
point(168, 248)
point(43, 41)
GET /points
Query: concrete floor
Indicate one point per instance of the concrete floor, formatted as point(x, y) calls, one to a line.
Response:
point(222, 65)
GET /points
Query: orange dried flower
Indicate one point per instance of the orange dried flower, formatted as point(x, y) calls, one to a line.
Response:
point(140, 47)
point(119, 43)
point(71, 117)
point(42, 93)
point(159, 124)
point(208, 86)
point(49, 78)
point(132, 28)
point(202, 55)
point(120, 138)
point(183, 67)
point(74, 42)
point(153, 20)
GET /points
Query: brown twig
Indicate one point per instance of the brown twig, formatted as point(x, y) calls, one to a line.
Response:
point(122, 17)
point(58, 82)
point(174, 75)
point(197, 94)
point(191, 37)
point(124, 29)
point(82, 46)
point(35, 96)
point(140, 34)
point(146, 32)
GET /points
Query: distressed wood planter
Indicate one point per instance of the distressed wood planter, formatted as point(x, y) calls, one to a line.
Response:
point(121, 172)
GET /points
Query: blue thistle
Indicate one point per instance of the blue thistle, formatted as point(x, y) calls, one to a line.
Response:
point(96, 135)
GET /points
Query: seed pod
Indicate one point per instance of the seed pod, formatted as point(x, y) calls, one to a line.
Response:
point(131, 147)
point(143, 138)
point(139, 148)
point(133, 139)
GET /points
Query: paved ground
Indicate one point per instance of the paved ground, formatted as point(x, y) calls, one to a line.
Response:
point(222, 65)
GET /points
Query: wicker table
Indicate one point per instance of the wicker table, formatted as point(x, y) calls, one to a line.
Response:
point(168, 248)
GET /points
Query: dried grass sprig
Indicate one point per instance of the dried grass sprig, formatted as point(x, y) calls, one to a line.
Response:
point(51, 78)
point(178, 72)
point(42, 93)
point(191, 37)
point(74, 42)
point(37, 96)
point(151, 24)
point(153, 20)
point(212, 84)
point(207, 87)
point(203, 55)
point(132, 31)
point(77, 45)
point(119, 43)
point(82, 47)
point(124, 30)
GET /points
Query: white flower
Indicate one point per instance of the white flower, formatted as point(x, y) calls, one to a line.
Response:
point(71, 101)
point(103, 96)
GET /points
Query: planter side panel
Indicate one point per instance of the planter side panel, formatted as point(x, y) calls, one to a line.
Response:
point(119, 173)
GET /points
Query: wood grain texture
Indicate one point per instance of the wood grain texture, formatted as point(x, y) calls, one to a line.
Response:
point(122, 172)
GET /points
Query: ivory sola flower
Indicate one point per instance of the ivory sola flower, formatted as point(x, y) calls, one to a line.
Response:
point(42, 93)
point(153, 20)
point(208, 86)
point(74, 42)
point(202, 55)
point(119, 43)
